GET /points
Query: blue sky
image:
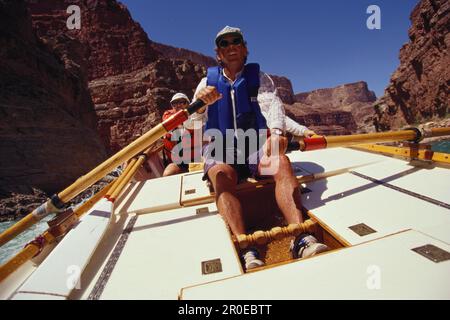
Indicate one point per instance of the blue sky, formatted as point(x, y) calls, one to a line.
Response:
point(316, 44)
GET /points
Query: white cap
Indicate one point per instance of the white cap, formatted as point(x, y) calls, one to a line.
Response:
point(178, 96)
point(228, 30)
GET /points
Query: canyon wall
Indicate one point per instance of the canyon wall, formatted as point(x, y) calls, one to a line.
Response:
point(419, 89)
point(48, 123)
point(131, 78)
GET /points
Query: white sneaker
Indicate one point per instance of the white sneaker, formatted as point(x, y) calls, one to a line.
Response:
point(251, 259)
point(306, 245)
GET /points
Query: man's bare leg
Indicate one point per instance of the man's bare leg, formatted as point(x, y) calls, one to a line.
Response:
point(172, 169)
point(224, 180)
point(287, 191)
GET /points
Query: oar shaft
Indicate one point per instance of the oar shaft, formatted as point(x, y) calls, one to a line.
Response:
point(129, 151)
point(438, 132)
point(351, 140)
point(31, 249)
point(120, 178)
point(27, 253)
point(130, 174)
point(127, 177)
point(17, 228)
point(316, 143)
point(103, 169)
point(100, 171)
point(322, 142)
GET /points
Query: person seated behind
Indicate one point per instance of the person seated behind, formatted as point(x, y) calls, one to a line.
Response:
point(222, 91)
point(180, 142)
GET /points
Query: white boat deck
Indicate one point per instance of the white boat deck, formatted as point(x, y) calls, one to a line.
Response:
point(165, 237)
point(193, 188)
point(333, 159)
point(152, 196)
point(164, 252)
point(423, 180)
point(441, 232)
point(383, 269)
point(59, 272)
point(404, 197)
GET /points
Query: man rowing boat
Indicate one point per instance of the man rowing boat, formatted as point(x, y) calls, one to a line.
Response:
point(235, 94)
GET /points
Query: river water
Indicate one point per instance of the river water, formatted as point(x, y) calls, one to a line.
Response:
point(15, 245)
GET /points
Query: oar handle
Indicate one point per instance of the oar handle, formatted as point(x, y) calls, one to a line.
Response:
point(182, 115)
point(194, 106)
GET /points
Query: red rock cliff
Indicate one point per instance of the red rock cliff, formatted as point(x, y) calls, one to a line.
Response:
point(47, 119)
point(344, 109)
point(115, 43)
point(131, 96)
point(184, 54)
point(131, 81)
point(419, 88)
point(284, 88)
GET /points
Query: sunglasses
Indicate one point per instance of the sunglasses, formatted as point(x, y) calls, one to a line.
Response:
point(179, 102)
point(225, 43)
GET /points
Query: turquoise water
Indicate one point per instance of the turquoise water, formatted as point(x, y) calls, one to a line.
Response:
point(441, 146)
point(15, 245)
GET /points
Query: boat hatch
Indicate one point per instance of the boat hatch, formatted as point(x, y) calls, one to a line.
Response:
point(367, 271)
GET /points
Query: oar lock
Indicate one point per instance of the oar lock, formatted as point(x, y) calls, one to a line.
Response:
point(62, 223)
point(420, 134)
point(52, 205)
point(39, 242)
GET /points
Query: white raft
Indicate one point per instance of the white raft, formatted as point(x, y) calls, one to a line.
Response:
point(165, 240)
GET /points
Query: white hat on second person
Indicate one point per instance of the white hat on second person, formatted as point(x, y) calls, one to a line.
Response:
point(178, 96)
point(228, 30)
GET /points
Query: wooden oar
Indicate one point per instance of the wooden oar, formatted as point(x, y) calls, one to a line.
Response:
point(58, 201)
point(124, 173)
point(110, 192)
point(129, 175)
point(410, 152)
point(413, 134)
point(47, 238)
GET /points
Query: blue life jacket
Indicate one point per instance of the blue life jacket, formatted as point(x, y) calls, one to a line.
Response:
point(248, 112)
